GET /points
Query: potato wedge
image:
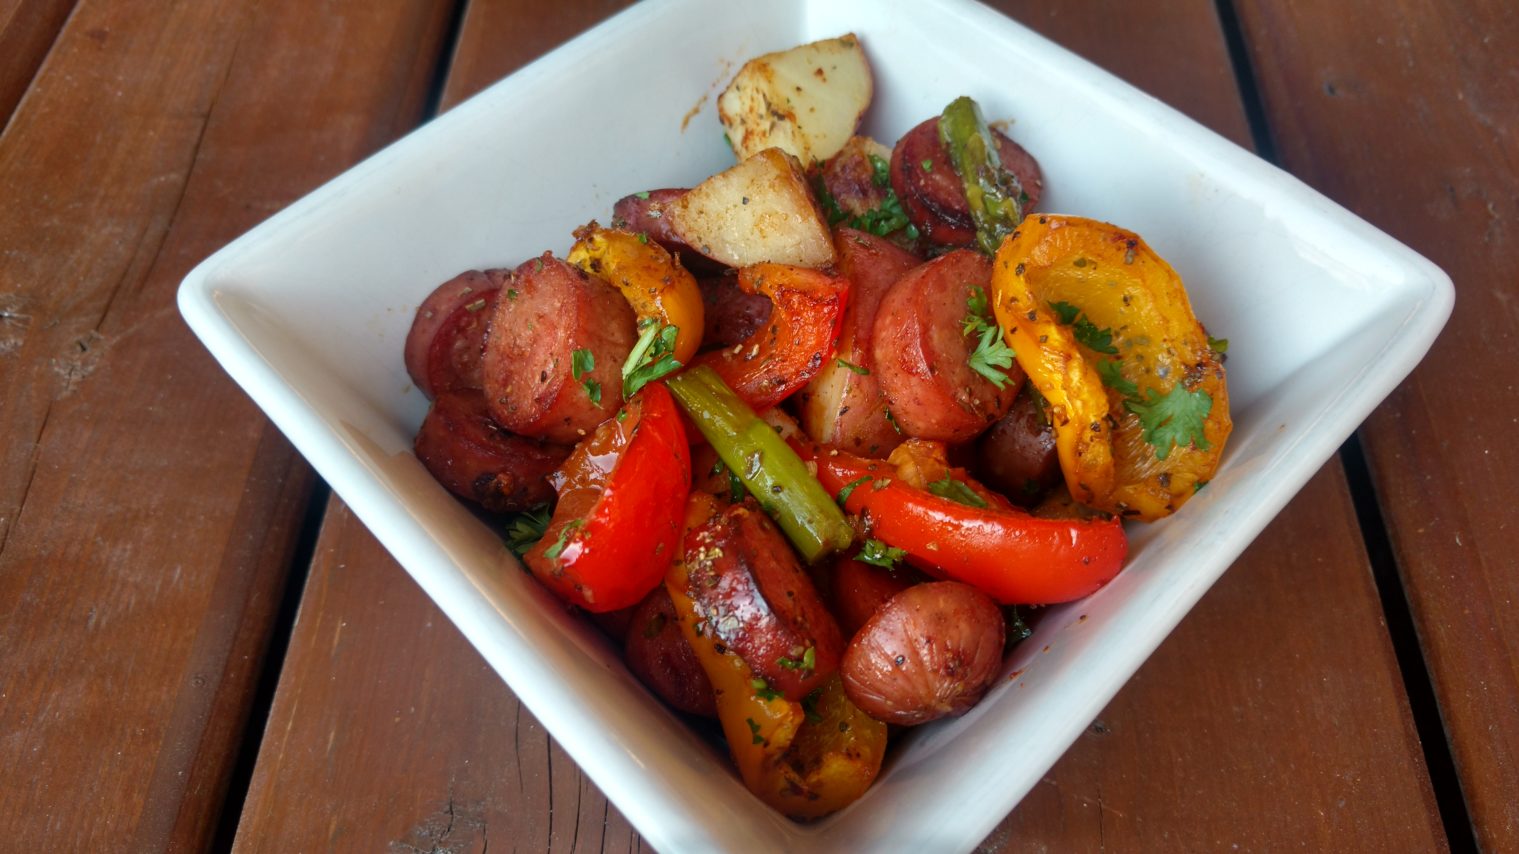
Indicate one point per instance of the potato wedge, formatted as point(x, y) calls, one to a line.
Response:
point(806, 101)
point(760, 210)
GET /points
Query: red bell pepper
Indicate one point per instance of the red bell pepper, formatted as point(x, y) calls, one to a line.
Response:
point(1015, 558)
point(799, 339)
point(622, 500)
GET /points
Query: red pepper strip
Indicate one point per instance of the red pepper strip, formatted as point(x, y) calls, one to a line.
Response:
point(1013, 557)
point(622, 500)
point(799, 339)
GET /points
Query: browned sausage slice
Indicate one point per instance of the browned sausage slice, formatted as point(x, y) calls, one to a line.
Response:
point(658, 654)
point(447, 337)
point(931, 651)
point(843, 405)
point(922, 352)
point(551, 311)
point(931, 193)
point(478, 461)
point(753, 594)
point(1017, 456)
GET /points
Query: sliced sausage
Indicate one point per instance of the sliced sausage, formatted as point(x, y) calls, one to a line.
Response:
point(731, 314)
point(755, 597)
point(922, 352)
point(552, 310)
point(843, 405)
point(931, 651)
point(1017, 455)
point(447, 337)
point(660, 656)
point(477, 460)
point(931, 192)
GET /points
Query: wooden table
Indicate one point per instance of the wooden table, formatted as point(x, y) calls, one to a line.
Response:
point(200, 647)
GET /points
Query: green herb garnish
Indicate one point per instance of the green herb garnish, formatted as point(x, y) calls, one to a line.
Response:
point(651, 358)
point(877, 553)
point(957, 492)
point(862, 371)
point(850, 487)
point(526, 529)
point(1173, 419)
point(582, 362)
point(992, 357)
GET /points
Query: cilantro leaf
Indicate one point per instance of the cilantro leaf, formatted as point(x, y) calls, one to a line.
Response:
point(957, 492)
point(651, 358)
point(1097, 338)
point(859, 369)
point(527, 529)
point(553, 552)
point(1111, 371)
point(850, 487)
point(877, 553)
point(992, 357)
point(582, 362)
point(1173, 419)
point(1065, 313)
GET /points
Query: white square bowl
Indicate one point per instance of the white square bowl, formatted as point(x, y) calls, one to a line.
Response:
point(308, 312)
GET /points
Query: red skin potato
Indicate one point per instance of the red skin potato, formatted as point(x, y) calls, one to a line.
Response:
point(1017, 455)
point(657, 652)
point(529, 382)
point(931, 651)
point(478, 461)
point(646, 213)
point(446, 342)
point(842, 406)
point(922, 354)
point(753, 594)
point(933, 197)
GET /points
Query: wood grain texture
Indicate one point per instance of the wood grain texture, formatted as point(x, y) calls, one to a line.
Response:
point(1275, 715)
point(1408, 114)
point(389, 732)
point(147, 511)
point(27, 31)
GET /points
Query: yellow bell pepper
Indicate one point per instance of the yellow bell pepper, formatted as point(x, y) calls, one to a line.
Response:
point(1103, 328)
point(650, 278)
point(805, 761)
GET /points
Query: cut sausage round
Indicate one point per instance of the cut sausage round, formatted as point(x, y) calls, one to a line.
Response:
point(922, 352)
point(658, 654)
point(758, 601)
point(931, 192)
point(477, 460)
point(447, 337)
point(551, 311)
point(930, 651)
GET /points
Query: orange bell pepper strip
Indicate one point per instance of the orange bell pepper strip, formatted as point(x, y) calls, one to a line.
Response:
point(804, 759)
point(1103, 328)
point(650, 278)
point(806, 318)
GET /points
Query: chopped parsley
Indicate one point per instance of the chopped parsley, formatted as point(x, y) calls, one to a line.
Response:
point(582, 362)
point(527, 529)
point(1111, 372)
point(1173, 419)
point(1218, 345)
point(992, 357)
point(642, 194)
point(881, 220)
point(850, 487)
point(927, 164)
point(763, 690)
point(877, 553)
point(553, 552)
point(652, 357)
point(1065, 313)
point(862, 371)
point(754, 728)
point(807, 662)
point(1096, 338)
point(957, 492)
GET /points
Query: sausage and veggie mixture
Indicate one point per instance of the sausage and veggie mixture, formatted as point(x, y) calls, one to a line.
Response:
point(807, 433)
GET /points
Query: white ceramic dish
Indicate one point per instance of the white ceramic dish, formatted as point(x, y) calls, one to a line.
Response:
point(308, 313)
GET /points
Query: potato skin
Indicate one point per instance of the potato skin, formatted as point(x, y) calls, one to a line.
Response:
point(1017, 455)
point(931, 651)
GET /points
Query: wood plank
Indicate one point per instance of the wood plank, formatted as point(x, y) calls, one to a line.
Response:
point(27, 31)
point(147, 511)
point(1408, 114)
point(1233, 690)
